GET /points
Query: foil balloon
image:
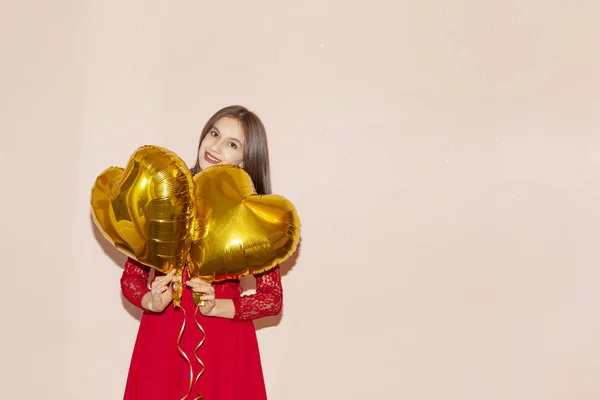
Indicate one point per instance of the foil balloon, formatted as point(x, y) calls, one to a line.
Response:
point(146, 210)
point(238, 232)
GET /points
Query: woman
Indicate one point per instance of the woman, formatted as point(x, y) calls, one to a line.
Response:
point(230, 354)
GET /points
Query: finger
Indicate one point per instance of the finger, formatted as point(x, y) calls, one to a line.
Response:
point(208, 297)
point(160, 284)
point(168, 278)
point(162, 278)
point(201, 289)
point(159, 291)
point(197, 283)
point(197, 279)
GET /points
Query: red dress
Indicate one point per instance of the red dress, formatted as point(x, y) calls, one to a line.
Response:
point(232, 366)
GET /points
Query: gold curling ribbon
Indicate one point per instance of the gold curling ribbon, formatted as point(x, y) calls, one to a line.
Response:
point(185, 355)
point(196, 355)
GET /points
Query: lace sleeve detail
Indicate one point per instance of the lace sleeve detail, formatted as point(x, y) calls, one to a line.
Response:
point(134, 281)
point(267, 300)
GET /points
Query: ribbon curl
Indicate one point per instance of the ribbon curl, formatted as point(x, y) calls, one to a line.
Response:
point(185, 355)
point(202, 368)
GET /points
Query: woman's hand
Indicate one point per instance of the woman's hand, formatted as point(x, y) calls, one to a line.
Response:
point(160, 295)
point(207, 294)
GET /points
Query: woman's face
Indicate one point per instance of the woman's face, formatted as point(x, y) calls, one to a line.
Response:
point(224, 144)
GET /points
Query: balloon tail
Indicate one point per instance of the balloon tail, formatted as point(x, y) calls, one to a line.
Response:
point(177, 289)
point(198, 301)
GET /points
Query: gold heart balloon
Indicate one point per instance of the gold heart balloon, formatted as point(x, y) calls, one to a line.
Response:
point(146, 210)
point(238, 232)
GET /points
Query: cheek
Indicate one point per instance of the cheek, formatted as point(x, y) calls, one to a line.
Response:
point(205, 142)
point(234, 156)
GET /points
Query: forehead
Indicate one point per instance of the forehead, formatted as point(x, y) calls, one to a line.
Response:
point(230, 127)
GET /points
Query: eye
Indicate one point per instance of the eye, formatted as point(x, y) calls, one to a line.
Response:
point(233, 145)
point(214, 133)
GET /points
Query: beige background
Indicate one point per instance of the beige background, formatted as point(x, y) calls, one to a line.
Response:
point(444, 157)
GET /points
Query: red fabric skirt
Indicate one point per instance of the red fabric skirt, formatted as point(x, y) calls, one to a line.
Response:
point(232, 366)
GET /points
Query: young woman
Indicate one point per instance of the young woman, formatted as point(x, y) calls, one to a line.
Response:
point(230, 354)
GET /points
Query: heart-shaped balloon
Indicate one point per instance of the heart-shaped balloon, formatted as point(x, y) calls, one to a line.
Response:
point(146, 210)
point(238, 232)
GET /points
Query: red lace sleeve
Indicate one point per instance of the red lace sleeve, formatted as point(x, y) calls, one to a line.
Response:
point(267, 300)
point(134, 281)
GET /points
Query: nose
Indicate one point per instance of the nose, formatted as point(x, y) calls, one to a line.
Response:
point(215, 146)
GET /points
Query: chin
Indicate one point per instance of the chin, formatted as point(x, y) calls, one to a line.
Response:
point(204, 165)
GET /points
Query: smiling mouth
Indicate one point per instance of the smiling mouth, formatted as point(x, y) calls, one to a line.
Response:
point(210, 158)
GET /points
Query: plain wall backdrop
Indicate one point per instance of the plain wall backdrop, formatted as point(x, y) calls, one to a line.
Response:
point(443, 155)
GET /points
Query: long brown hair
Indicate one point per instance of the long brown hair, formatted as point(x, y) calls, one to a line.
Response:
point(256, 150)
